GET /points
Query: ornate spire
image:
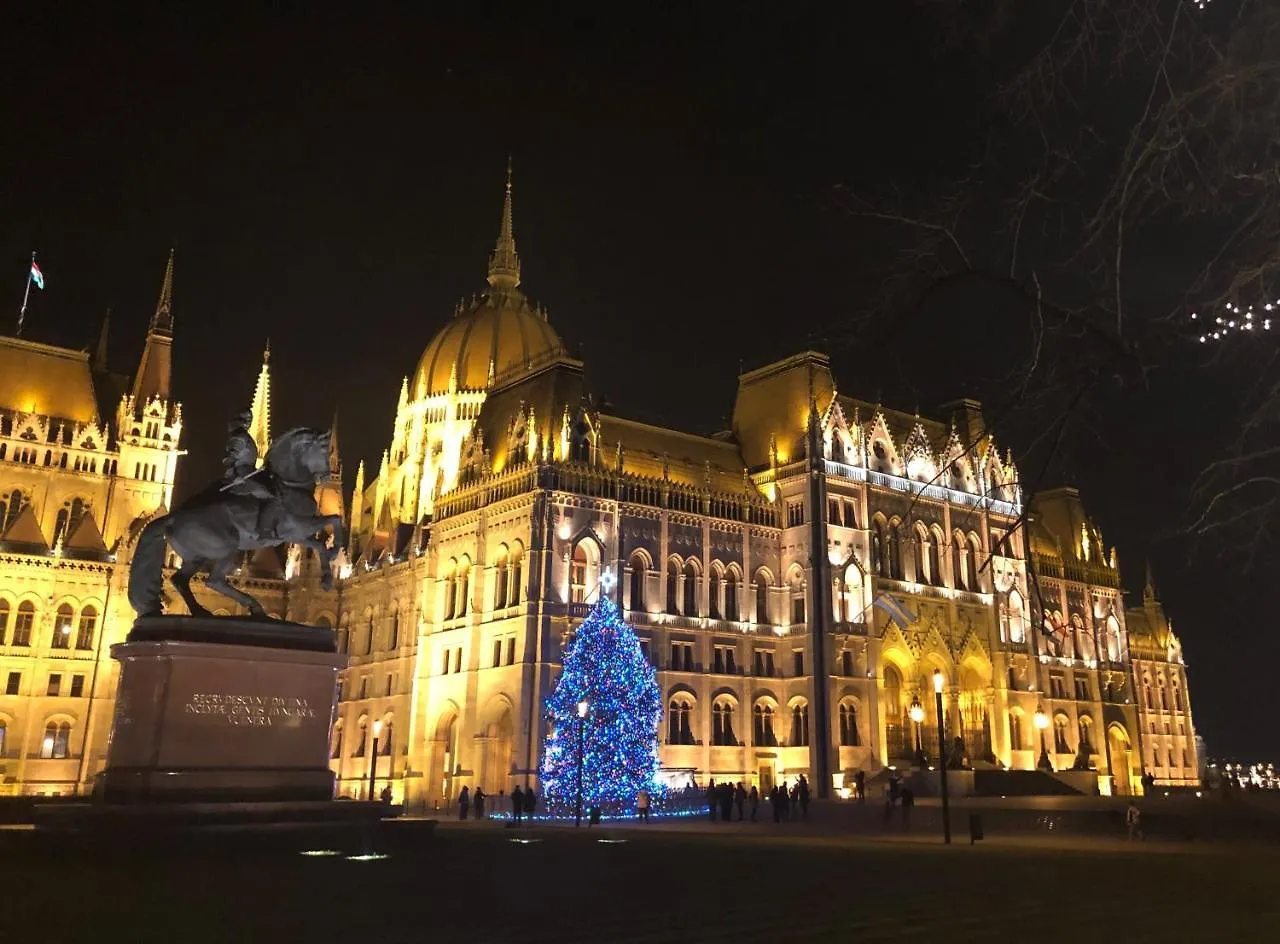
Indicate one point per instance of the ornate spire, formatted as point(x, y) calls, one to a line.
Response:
point(100, 355)
point(162, 320)
point(504, 264)
point(260, 424)
point(1149, 591)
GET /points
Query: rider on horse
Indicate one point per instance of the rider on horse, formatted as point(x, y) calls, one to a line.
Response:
point(241, 475)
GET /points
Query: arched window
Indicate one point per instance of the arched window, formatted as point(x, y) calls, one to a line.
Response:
point(464, 585)
point(62, 627)
point(762, 725)
point(935, 557)
point(879, 548)
point(800, 724)
point(715, 608)
point(500, 565)
point(57, 740)
point(679, 730)
point(691, 588)
point(362, 729)
point(4, 623)
point(849, 736)
point(11, 506)
point(1015, 620)
point(1146, 691)
point(88, 623)
point(722, 724)
point(335, 746)
point(639, 575)
point(368, 636)
point(578, 573)
point(797, 587)
point(3, 729)
point(1086, 732)
point(24, 623)
point(1164, 701)
point(673, 587)
point(449, 590)
point(1111, 642)
point(1015, 730)
point(920, 553)
point(731, 594)
point(516, 592)
point(762, 598)
point(1060, 727)
point(1177, 696)
point(959, 572)
point(393, 642)
point(971, 561)
point(895, 549)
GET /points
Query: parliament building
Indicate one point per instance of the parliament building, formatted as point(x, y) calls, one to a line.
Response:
point(796, 580)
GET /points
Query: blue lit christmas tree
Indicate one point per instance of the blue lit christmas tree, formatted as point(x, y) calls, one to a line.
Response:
point(604, 667)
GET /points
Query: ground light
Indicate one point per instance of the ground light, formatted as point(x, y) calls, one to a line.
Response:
point(319, 852)
point(368, 857)
point(524, 842)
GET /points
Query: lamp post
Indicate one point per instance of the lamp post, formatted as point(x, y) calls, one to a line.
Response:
point(582, 729)
point(942, 758)
point(373, 759)
point(1042, 722)
point(917, 715)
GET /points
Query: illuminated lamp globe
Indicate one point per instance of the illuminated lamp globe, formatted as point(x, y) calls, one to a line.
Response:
point(937, 681)
point(582, 708)
point(917, 711)
point(377, 728)
point(1042, 719)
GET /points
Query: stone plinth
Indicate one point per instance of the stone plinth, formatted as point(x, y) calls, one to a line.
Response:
point(202, 719)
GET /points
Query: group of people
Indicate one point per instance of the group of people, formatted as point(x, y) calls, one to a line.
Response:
point(788, 803)
point(523, 803)
point(897, 796)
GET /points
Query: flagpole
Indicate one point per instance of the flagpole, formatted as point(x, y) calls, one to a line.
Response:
point(22, 312)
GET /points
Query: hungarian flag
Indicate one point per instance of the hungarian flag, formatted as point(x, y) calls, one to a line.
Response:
point(37, 276)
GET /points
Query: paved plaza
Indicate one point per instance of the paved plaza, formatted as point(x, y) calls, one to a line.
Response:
point(691, 881)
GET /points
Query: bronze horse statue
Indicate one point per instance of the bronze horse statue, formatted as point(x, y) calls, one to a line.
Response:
point(210, 530)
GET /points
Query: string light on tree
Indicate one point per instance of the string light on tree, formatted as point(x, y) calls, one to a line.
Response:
point(605, 667)
point(1236, 319)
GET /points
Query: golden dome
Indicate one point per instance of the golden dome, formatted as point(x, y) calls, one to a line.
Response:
point(498, 335)
point(501, 329)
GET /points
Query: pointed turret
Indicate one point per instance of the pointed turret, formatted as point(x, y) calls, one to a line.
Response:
point(504, 264)
point(357, 499)
point(155, 368)
point(260, 424)
point(1149, 589)
point(100, 353)
point(335, 453)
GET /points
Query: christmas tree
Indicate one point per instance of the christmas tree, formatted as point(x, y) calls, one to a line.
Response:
point(603, 667)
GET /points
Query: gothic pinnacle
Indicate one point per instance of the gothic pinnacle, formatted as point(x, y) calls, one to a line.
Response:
point(504, 264)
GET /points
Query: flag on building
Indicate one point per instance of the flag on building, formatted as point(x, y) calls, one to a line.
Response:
point(37, 276)
point(894, 610)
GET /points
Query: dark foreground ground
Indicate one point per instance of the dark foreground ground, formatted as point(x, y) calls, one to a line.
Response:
point(692, 882)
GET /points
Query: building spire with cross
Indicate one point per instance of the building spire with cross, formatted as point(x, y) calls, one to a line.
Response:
point(504, 263)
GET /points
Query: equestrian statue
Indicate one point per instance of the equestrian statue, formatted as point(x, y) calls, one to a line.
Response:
point(250, 508)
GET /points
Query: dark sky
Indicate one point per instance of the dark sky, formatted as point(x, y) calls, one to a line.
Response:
point(334, 182)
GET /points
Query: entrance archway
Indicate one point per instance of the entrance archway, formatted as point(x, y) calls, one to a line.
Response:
point(496, 762)
point(1121, 759)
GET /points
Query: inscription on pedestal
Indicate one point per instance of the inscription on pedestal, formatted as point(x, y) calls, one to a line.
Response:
point(263, 711)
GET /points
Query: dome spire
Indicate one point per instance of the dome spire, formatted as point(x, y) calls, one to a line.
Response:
point(504, 263)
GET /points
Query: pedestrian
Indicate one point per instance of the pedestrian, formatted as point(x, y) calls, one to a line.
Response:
point(895, 789)
point(642, 805)
point(726, 802)
point(464, 801)
point(478, 799)
point(713, 798)
point(754, 800)
point(386, 794)
point(795, 797)
point(775, 799)
point(740, 797)
point(1133, 820)
point(860, 784)
point(802, 788)
point(517, 804)
point(908, 803)
point(530, 803)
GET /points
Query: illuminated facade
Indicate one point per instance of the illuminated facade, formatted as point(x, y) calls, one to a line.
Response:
point(796, 580)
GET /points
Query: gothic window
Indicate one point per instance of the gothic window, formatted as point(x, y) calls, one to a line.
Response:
point(11, 506)
point(62, 627)
point(717, 588)
point(800, 724)
point(1164, 701)
point(935, 557)
point(673, 587)
point(88, 622)
point(4, 621)
point(24, 623)
point(678, 728)
point(1146, 691)
point(3, 731)
point(578, 573)
point(639, 573)
point(394, 641)
point(1015, 731)
point(849, 736)
point(362, 731)
point(1014, 618)
point(919, 553)
point(515, 590)
point(335, 750)
point(690, 588)
point(1177, 696)
point(722, 724)
point(368, 636)
point(1060, 726)
point(500, 564)
point(895, 549)
point(879, 548)
point(762, 597)
point(959, 572)
point(731, 594)
point(971, 561)
point(762, 725)
point(1086, 732)
point(57, 740)
point(846, 662)
point(464, 585)
point(449, 590)
point(797, 588)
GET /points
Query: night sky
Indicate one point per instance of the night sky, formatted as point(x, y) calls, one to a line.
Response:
point(335, 183)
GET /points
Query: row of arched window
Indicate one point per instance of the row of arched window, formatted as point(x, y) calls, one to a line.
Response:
point(763, 716)
point(508, 576)
point(929, 550)
point(69, 631)
point(55, 745)
point(1162, 698)
point(29, 455)
point(1071, 639)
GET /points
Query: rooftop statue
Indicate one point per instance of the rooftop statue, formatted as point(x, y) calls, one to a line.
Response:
point(250, 508)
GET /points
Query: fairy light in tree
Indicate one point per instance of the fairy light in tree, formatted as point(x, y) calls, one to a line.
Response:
point(1235, 318)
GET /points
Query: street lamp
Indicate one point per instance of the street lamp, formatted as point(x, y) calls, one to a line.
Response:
point(582, 729)
point(942, 758)
point(1042, 722)
point(917, 715)
point(373, 760)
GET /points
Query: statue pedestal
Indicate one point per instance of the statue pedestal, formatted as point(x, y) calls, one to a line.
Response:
point(216, 710)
